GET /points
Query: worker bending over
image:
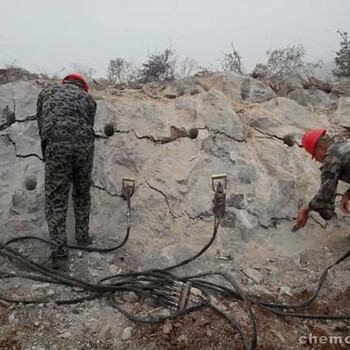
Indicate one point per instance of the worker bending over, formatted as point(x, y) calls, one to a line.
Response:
point(335, 159)
point(65, 115)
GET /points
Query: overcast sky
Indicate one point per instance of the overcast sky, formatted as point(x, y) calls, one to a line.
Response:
point(48, 35)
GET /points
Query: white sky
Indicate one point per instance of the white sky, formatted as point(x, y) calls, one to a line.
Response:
point(48, 35)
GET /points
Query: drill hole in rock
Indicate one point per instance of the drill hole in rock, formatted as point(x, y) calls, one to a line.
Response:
point(109, 130)
point(289, 140)
point(193, 133)
point(30, 183)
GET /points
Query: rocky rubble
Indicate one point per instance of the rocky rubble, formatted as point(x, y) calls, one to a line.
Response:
point(242, 128)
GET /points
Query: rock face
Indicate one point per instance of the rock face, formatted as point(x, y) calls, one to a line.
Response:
point(283, 85)
point(341, 116)
point(312, 98)
point(241, 126)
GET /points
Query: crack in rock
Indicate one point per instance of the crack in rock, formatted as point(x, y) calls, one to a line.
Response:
point(273, 221)
point(10, 140)
point(218, 132)
point(5, 126)
point(28, 119)
point(93, 185)
point(162, 140)
point(166, 200)
point(198, 217)
point(274, 137)
point(29, 155)
point(21, 155)
point(105, 190)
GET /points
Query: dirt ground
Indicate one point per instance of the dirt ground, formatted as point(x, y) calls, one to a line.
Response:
point(97, 325)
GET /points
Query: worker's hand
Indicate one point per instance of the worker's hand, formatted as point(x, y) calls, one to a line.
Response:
point(302, 217)
point(344, 203)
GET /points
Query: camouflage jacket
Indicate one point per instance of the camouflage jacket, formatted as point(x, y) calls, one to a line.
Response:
point(336, 166)
point(65, 109)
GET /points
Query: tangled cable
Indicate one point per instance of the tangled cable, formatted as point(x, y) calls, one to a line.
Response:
point(180, 295)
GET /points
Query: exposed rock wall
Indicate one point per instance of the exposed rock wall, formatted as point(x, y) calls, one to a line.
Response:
point(242, 127)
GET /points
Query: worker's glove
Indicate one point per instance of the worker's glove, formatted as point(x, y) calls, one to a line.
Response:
point(344, 202)
point(302, 217)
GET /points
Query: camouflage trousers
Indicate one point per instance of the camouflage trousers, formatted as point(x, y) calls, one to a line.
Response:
point(67, 163)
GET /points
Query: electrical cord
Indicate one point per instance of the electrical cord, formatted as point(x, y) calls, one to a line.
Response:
point(88, 249)
point(157, 284)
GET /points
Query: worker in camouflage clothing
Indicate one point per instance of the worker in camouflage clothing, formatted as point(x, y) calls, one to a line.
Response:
point(335, 159)
point(65, 115)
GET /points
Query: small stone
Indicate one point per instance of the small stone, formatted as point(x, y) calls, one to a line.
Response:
point(65, 335)
point(130, 297)
point(181, 338)
point(4, 303)
point(258, 290)
point(167, 327)
point(137, 308)
point(50, 293)
point(97, 256)
point(214, 301)
point(164, 313)
point(253, 274)
point(11, 318)
point(286, 290)
point(39, 286)
point(272, 269)
point(279, 336)
point(126, 333)
point(36, 323)
point(114, 270)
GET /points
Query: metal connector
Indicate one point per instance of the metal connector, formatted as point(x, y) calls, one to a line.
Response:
point(219, 201)
point(175, 295)
point(218, 177)
point(185, 295)
point(128, 182)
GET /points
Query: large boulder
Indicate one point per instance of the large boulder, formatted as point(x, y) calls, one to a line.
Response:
point(239, 88)
point(186, 86)
point(312, 98)
point(342, 114)
point(20, 97)
point(320, 84)
point(255, 91)
point(14, 74)
point(283, 116)
point(341, 87)
point(283, 85)
point(172, 205)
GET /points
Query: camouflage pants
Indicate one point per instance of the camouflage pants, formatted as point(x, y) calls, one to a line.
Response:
point(66, 164)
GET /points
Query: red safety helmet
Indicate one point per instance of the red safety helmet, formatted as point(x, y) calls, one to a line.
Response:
point(76, 76)
point(310, 139)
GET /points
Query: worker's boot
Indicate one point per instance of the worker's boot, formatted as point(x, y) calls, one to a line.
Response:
point(57, 262)
point(85, 242)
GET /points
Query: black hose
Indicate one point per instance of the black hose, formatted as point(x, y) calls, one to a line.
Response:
point(149, 283)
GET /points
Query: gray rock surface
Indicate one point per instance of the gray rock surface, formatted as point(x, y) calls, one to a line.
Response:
point(172, 206)
point(239, 88)
point(255, 91)
point(172, 219)
point(342, 116)
point(283, 85)
point(312, 98)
